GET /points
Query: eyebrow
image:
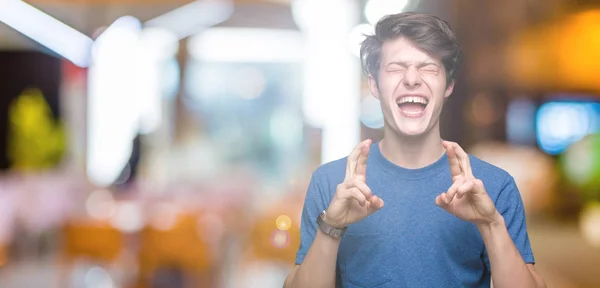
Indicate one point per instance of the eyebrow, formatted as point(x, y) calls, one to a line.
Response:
point(406, 64)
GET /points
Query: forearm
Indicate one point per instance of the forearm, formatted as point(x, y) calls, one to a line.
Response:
point(507, 265)
point(318, 268)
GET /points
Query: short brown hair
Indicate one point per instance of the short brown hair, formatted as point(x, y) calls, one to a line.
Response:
point(430, 33)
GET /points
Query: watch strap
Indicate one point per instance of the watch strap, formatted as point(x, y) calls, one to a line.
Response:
point(328, 229)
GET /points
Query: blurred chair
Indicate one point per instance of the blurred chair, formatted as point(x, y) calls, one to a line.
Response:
point(94, 241)
point(178, 249)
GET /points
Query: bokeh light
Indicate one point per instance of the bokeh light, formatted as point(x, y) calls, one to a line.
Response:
point(559, 124)
point(164, 216)
point(100, 205)
point(280, 239)
point(589, 223)
point(283, 222)
point(128, 217)
point(370, 112)
point(581, 163)
point(98, 277)
point(576, 48)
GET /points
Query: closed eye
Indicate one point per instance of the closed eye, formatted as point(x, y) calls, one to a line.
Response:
point(431, 69)
point(396, 69)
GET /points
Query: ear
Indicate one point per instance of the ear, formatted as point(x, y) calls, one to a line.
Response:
point(449, 89)
point(373, 87)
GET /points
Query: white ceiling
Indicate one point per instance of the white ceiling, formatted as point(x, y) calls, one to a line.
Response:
point(88, 18)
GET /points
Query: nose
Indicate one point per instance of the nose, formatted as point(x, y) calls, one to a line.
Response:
point(412, 78)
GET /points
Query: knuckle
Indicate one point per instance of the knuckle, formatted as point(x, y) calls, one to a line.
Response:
point(361, 197)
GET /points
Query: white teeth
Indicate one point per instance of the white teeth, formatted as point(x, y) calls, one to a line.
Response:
point(413, 99)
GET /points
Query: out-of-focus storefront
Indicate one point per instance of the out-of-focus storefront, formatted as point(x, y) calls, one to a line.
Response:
point(164, 143)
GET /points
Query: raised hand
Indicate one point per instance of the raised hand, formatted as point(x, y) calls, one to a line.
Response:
point(353, 199)
point(467, 198)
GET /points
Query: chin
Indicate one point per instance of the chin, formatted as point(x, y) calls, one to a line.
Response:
point(412, 127)
point(412, 131)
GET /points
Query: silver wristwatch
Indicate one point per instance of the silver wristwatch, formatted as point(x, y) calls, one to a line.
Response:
point(327, 229)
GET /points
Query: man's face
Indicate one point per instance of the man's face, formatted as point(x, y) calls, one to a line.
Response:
point(412, 88)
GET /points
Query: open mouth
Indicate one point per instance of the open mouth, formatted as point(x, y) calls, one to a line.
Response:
point(412, 106)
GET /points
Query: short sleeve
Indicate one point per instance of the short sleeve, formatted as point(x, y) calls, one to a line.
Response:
point(510, 205)
point(314, 204)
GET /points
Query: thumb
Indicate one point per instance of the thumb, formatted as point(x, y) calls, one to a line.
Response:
point(375, 204)
point(441, 199)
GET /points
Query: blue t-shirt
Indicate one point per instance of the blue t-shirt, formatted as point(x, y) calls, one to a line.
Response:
point(411, 242)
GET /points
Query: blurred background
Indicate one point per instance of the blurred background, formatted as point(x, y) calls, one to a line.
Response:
point(155, 143)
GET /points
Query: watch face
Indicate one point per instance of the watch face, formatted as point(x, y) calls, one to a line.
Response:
point(322, 215)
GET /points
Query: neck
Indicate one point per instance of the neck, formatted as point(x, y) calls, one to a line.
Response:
point(412, 152)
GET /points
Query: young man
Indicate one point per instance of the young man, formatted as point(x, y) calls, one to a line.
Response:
point(449, 219)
